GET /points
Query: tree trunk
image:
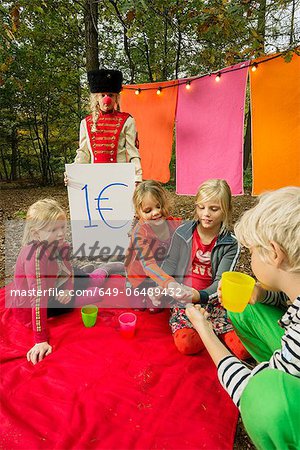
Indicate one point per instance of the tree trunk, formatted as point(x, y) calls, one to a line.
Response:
point(261, 24)
point(165, 68)
point(33, 139)
point(14, 154)
point(150, 76)
point(178, 44)
point(42, 153)
point(127, 51)
point(178, 54)
point(91, 34)
point(126, 41)
point(292, 23)
point(4, 163)
point(48, 169)
point(78, 91)
point(247, 141)
point(261, 29)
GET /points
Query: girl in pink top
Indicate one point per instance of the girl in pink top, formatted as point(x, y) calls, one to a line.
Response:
point(44, 282)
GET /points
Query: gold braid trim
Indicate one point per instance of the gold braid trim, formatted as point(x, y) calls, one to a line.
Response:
point(39, 288)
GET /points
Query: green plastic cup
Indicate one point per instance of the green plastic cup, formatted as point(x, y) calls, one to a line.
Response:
point(89, 315)
point(237, 289)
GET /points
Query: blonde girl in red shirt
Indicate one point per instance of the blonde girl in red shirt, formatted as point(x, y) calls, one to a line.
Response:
point(201, 250)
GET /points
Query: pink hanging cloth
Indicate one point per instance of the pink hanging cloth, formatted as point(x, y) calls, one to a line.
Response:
point(210, 129)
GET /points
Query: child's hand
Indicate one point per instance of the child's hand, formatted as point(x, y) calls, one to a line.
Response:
point(64, 297)
point(155, 299)
point(155, 295)
point(38, 352)
point(198, 316)
point(257, 296)
point(179, 292)
point(66, 180)
point(194, 295)
point(219, 292)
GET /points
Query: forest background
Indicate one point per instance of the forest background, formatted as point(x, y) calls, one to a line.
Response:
point(46, 47)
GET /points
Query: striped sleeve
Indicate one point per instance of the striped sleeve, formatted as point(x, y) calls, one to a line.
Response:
point(287, 358)
point(233, 376)
point(278, 299)
point(148, 261)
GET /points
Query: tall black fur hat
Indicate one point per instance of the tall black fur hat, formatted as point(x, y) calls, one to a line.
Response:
point(105, 80)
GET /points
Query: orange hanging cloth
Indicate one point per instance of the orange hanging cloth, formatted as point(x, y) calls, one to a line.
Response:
point(155, 116)
point(275, 102)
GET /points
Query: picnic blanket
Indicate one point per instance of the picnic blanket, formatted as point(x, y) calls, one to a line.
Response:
point(98, 390)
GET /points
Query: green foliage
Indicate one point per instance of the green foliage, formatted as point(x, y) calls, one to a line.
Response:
point(41, 94)
point(167, 39)
point(20, 214)
point(248, 178)
point(43, 89)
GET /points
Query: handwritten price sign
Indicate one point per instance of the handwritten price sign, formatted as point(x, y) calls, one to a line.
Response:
point(100, 200)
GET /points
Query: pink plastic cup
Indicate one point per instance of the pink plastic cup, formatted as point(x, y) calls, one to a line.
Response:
point(127, 323)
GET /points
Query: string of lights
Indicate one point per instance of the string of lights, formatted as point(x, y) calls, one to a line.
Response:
point(217, 74)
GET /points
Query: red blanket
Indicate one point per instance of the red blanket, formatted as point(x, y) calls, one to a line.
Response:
point(100, 391)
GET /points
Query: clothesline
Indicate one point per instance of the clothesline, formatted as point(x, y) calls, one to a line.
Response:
point(179, 82)
point(207, 143)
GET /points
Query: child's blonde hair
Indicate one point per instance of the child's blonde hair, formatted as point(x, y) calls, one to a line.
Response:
point(157, 191)
point(39, 215)
point(274, 218)
point(219, 190)
point(94, 106)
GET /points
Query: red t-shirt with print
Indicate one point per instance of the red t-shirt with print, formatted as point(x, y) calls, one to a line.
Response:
point(201, 263)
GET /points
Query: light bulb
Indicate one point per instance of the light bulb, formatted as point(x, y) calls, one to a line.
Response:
point(188, 85)
point(218, 77)
point(137, 91)
point(158, 91)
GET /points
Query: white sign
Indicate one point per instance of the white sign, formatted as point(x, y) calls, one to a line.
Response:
point(100, 200)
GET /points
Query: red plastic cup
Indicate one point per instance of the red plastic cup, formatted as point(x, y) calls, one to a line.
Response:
point(127, 323)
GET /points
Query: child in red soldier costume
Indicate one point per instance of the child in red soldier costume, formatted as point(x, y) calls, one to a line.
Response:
point(44, 275)
point(107, 135)
point(200, 251)
point(150, 241)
